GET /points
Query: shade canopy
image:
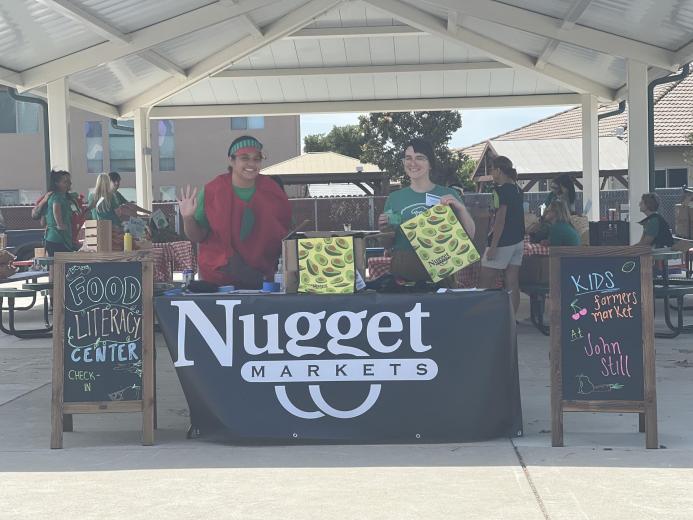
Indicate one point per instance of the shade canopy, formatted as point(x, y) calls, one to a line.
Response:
point(196, 58)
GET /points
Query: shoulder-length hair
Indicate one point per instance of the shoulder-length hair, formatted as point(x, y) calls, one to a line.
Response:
point(103, 193)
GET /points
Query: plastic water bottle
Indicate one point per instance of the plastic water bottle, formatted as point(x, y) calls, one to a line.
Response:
point(188, 276)
point(279, 276)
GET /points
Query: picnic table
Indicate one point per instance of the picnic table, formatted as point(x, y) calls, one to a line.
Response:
point(28, 290)
point(670, 288)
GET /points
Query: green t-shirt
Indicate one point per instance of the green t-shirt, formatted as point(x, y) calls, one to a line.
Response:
point(121, 200)
point(245, 194)
point(53, 234)
point(651, 227)
point(101, 213)
point(563, 234)
point(409, 203)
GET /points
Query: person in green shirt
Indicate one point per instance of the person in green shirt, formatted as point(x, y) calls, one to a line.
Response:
point(561, 231)
point(238, 219)
point(103, 202)
point(58, 236)
point(655, 230)
point(407, 203)
point(130, 208)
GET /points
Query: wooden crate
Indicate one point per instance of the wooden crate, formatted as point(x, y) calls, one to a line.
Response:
point(98, 235)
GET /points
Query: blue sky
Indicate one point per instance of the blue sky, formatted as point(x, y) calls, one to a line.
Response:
point(477, 125)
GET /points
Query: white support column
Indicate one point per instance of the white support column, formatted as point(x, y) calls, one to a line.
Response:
point(143, 158)
point(58, 94)
point(638, 165)
point(590, 157)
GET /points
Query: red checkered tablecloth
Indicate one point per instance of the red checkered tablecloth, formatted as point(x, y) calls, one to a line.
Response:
point(535, 249)
point(378, 266)
point(170, 257)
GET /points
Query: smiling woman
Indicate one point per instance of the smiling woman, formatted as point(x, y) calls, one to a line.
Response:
point(239, 220)
point(405, 204)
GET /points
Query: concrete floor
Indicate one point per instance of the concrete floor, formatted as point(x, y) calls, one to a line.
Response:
point(103, 472)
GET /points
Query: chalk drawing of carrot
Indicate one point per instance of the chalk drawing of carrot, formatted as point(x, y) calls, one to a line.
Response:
point(586, 387)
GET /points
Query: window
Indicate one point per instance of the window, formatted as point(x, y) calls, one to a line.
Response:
point(27, 118)
point(256, 123)
point(671, 178)
point(94, 138)
point(121, 147)
point(9, 197)
point(29, 196)
point(677, 177)
point(17, 117)
point(167, 146)
point(130, 194)
point(248, 123)
point(167, 192)
point(8, 114)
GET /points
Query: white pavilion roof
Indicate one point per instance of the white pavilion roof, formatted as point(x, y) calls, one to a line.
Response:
point(561, 155)
point(202, 58)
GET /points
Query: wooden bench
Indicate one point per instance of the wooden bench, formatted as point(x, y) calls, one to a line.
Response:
point(676, 291)
point(11, 294)
point(537, 303)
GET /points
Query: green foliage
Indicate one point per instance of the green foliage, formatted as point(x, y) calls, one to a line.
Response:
point(380, 138)
point(347, 140)
point(464, 174)
point(387, 133)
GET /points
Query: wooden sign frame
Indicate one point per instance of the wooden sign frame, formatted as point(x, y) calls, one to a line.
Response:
point(647, 409)
point(61, 412)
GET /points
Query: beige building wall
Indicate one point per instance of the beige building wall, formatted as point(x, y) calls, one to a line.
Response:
point(200, 152)
point(22, 164)
point(674, 157)
point(202, 145)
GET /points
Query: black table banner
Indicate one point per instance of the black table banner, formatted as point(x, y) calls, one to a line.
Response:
point(348, 368)
point(103, 332)
point(601, 329)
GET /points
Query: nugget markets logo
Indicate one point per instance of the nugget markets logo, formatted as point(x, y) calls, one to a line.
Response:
point(356, 343)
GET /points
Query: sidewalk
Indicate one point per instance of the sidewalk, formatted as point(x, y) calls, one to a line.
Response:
point(103, 472)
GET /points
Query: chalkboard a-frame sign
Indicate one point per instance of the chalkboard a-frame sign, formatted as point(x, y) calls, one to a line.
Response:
point(602, 335)
point(103, 338)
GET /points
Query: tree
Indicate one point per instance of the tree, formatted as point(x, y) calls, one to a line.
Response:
point(464, 174)
point(347, 140)
point(386, 134)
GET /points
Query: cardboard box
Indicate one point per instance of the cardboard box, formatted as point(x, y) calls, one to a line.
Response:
point(326, 265)
point(98, 235)
point(290, 254)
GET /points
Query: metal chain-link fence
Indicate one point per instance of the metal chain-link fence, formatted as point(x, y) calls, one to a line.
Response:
point(361, 213)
